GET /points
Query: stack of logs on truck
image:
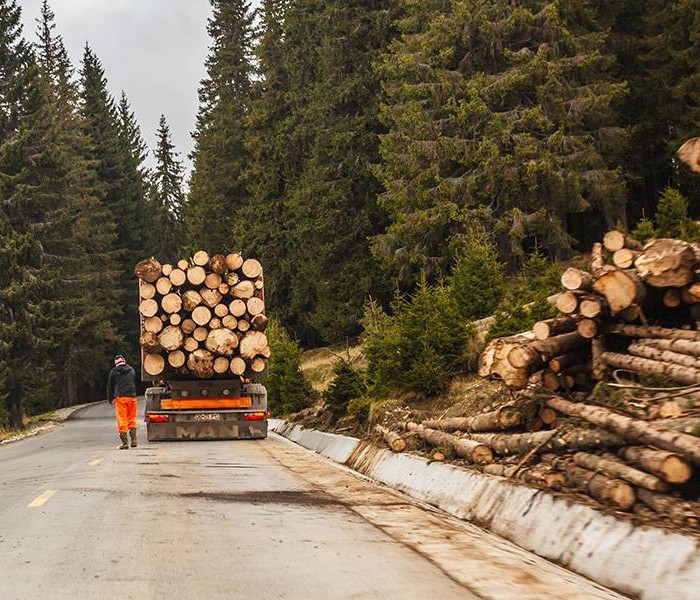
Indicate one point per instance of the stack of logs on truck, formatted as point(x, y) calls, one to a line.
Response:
point(202, 317)
point(605, 398)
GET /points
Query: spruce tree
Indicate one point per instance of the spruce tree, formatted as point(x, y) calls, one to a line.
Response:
point(498, 114)
point(166, 195)
point(217, 187)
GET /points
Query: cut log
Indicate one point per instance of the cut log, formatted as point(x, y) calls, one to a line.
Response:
point(172, 303)
point(616, 240)
point(259, 284)
point(624, 258)
point(540, 474)
point(234, 261)
point(200, 258)
point(691, 294)
point(232, 279)
point(188, 326)
point(230, 322)
point(575, 279)
point(148, 308)
point(201, 315)
point(163, 286)
point(153, 325)
point(215, 323)
point(593, 307)
point(663, 505)
point(224, 289)
point(253, 344)
point(191, 300)
point(666, 263)
point(183, 264)
point(200, 334)
point(218, 264)
point(201, 363)
point(551, 381)
point(258, 365)
point(524, 356)
point(672, 298)
point(148, 270)
point(210, 297)
point(632, 313)
point(547, 415)
point(690, 426)
point(166, 269)
point(221, 310)
point(238, 366)
point(171, 338)
point(667, 465)
point(621, 289)
point(567, 302)
point(196, 275)
point(576, 439)
point(615, 468)
point(689, 153)
point(563, 362)
point(648, 351)
point(468, 449)
point(251, 268)
point(503, 418)
point(147, 290)
point(178, 277)
point(237, 308)
point(153, 364)
point(637, 364)
point(255, 306)
point(259, 322)
point(561, 344)
point(190, 344)
point(175, 319)
point(243, 290)
point(635, 430)
point(687, 347)
point(243, 325)
point(588, 328)
point(553, 327)
point(221, 365)
point(650, 331)
point(393, 440)
point(597, 259)
point(213, 281)
point(176, 359)
point(149, 342)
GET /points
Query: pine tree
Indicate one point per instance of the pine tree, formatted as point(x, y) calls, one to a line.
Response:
point(166, 195)
point(498, 114)
point(217, 186)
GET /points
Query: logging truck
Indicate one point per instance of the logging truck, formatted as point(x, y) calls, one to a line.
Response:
point(203, 348)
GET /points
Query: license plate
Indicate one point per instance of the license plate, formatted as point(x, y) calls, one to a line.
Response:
point(206, 417)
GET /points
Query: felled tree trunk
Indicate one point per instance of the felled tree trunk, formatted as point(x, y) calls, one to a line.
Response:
point(503, 418)
point(468, 449)
point(621, 289)
point(519, 443)
point(616, 468)
point(663, 505)
point(394, 440)
point(560, 344)
point(553, 327)
point(631, 429)
point(616, 240)
point(667, 465)
point(679, 373)
point(666, 263)
point(650, 331)
point(148, 270)
point(540, 474)
point(575, 279)
point(677, 346)
point(652, 353)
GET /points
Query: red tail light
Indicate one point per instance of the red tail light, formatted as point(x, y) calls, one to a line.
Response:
point(256, 416)
point(158, 418)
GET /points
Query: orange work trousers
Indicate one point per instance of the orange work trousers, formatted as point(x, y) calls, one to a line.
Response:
point(126, 413)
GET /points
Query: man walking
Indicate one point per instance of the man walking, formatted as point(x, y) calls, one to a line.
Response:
point(121, 391)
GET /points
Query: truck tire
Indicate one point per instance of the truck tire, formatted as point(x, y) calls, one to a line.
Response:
point(153, 397)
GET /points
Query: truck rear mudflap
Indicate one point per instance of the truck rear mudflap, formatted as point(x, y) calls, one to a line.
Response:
point(205, 425)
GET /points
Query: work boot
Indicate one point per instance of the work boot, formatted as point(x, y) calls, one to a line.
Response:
point(134, 438)
point(125, 441)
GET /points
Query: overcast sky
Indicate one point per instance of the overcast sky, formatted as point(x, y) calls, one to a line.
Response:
point(154, 50)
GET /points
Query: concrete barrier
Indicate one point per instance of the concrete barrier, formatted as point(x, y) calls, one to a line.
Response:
point(642, 561)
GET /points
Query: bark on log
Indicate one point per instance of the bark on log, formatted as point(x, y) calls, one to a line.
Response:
point(191, 300)
point(243, 290)
point(541, 474)
point(178, 277)
point(221, 365)
point(201, 363)
point(153, 364)
point(592, 307)
point(393, 440)
point(551, 381)
point(200, 258)
point(218, 264)
point(259, 322)
point(147, 290)
point(213, 281)
point(210, 297)
point(234, 261)
point(631, 429)
point(597, 260)
point(615, 468)
point(663, 505)
point(153, 325)
point(148, 308)
point(553, 327)
point(201, 315)
point(650, 331)
point(560, 344)
point(172, 303)
point(689, 426)
point(196, 275)
point(576, 279)
point(624, 258)
point(687, 347)
point(667, 465)
point(519, 443)
point(237, 308)
point(176, 359)
point(621, 289)
point(468, 449)
point(251, 268)
point(222, 342)
point(163, 286)
point(254, 344)
point(561, 363)
point(171, 338)
point(605, 489)
point(148, 270)
point(648, 351)
point(255, 306)
point(681, 374)
point(666, 263)
point(238, 366)
point(149, 342)
point(501, 419)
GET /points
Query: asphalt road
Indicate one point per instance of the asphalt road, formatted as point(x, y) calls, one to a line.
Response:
point(262, 519)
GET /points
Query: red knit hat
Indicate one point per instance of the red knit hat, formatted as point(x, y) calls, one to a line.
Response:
point(119, 360)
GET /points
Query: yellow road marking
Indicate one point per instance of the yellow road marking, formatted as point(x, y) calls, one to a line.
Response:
point(41, 500)
point(94, 463)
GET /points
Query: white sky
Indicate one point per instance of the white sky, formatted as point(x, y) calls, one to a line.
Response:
point(154, 50)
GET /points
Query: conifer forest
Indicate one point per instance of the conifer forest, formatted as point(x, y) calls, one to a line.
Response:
point(372, 154)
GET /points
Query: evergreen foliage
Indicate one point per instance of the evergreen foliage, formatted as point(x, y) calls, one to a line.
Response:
point(347, 385)
point(672, 220)
point(288, 391)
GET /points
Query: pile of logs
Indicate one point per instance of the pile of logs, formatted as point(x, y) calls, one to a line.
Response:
point(605, 398)
point(203, 317)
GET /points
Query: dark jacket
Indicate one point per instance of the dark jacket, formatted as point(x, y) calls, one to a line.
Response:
point(122, 382)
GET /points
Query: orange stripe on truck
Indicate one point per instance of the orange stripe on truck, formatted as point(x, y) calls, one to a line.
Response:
point(206, 403)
